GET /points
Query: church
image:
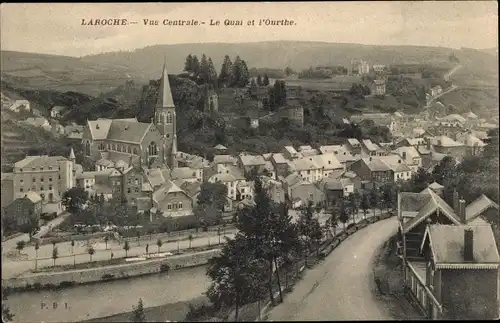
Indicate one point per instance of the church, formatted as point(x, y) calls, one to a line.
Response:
point(124, 143)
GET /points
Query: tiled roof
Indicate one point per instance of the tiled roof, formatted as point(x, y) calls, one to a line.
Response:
point(336, 184)
point(375, 164)
point(305, 147)
point(183, 173)
point(39, 162)
point(224, 159)
point(157, 176)
point(410, 151)
point(128, 131)
point(447, 244)
point(435, 186)
point(305, 164)
point(423, 150)
point(278, 158)
point(354, 142)
point(470, 140)
point(33, 197)
point(293, 179)
point(477, 207)
point(250, 160)
point(327, 161)
point(99, 128)
point(191, 188)
point(309, 152)
point(434, 203)
point(330, 148)
point(168, 187)
point(444, 141)
point(290, 150)
point(370, 145)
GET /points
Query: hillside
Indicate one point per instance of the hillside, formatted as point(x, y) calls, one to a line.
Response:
point(61, 73)
point(100, 73)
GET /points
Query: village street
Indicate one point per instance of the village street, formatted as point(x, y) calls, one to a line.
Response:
point(342, 287)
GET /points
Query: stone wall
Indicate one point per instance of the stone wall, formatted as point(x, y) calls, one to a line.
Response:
point(84, 276)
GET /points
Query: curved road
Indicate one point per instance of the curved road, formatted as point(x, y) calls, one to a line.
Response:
point(342, 287)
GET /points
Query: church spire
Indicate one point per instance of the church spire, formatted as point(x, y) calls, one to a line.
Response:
point(165, 96)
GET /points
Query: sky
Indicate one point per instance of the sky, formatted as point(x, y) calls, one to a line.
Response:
point(56, 28)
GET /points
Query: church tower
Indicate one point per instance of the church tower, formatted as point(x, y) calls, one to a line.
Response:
point(165, 119)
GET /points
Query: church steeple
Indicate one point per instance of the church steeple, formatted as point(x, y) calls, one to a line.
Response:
point(165, 118)
point(165, 96)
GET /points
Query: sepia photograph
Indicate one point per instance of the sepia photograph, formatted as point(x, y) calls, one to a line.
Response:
point(251, 161)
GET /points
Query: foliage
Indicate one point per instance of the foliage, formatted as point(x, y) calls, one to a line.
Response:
point(211, 201)
point(20, 245)
point(138, 314)
point(74, 199)
point(277, 94)
point(7, 316)
point(309, 227)
point(343, 215)
point(126, 247)
point(418, 182)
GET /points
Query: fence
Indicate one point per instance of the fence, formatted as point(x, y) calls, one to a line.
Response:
point(423, 295)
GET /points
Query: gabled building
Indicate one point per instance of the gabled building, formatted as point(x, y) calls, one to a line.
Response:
point(301, 191)
point(460, 275)
point(155, 143)
point(353, 146)
point(172, 201)
point(280, 165)
point(186, 174)
point(473, 145)
point(482, 211)
point(22, 213)
point(410, 156)
point(252, 164)
point(336, 189)
point(368, 148)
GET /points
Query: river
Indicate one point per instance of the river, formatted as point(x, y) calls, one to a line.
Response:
point(103, 299)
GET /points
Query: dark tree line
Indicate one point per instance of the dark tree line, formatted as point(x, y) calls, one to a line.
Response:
point(203, 72)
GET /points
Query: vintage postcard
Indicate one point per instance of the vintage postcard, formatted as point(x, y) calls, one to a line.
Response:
point(264, 161)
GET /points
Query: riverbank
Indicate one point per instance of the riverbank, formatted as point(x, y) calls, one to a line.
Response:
point(175, 312)
point(42, 281)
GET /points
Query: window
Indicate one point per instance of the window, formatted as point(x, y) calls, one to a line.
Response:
point(153, 149)
point(169, 206)
point(87, 148)
point(21, 181)
point(41, 179)
point(113, 147)
point(21, 170)
point(51, 197)
point(50, 179)
point(129, 150)
point(41, 188)
point(33, 168)
point(21, 190)
point(119, 148)
point(33, 188)
point(136, 181)
point(169, 117)
point(135, 151)
point(129, 190)
point(137, 190)
point(34, 180)
point(42, 196)
point(50, 187)
point(179, 205)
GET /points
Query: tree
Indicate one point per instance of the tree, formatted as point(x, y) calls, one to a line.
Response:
point(288, 71)
point(265, 81)
point(188, 65)
point(388, 196)
point(259, 80)
point(55, 254)
point(309, 228)
point(37, 246)
point(374, 195)
point(334, 221)
point(20, 245)
point(147, 248)
point(190, 238)
point(211, 202)
point(212, 74)
point(159, 244)
point(236, 275)
point(138, 234)
point(244, 75)
point(138, 314)
point(7, 316)
point(90, 251)
point(353, 200)
point(225, 72)
point(106, 239)
point(365, 204)
point(203, 75)
point(74, 199)
point(126, 247)
point(343, 215)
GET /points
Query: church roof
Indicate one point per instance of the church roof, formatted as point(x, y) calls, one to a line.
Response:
point(128, 131)
point(165, 99)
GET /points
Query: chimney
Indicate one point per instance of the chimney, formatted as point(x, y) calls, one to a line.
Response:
point(404, 154)
point(456, 200)
point(461, 211)
point(468, 244)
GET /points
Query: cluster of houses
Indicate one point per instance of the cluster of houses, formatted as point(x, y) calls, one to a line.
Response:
point(449, 255)
point(139, 163)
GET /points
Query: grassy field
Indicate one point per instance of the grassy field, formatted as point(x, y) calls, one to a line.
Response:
point(463, 98)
